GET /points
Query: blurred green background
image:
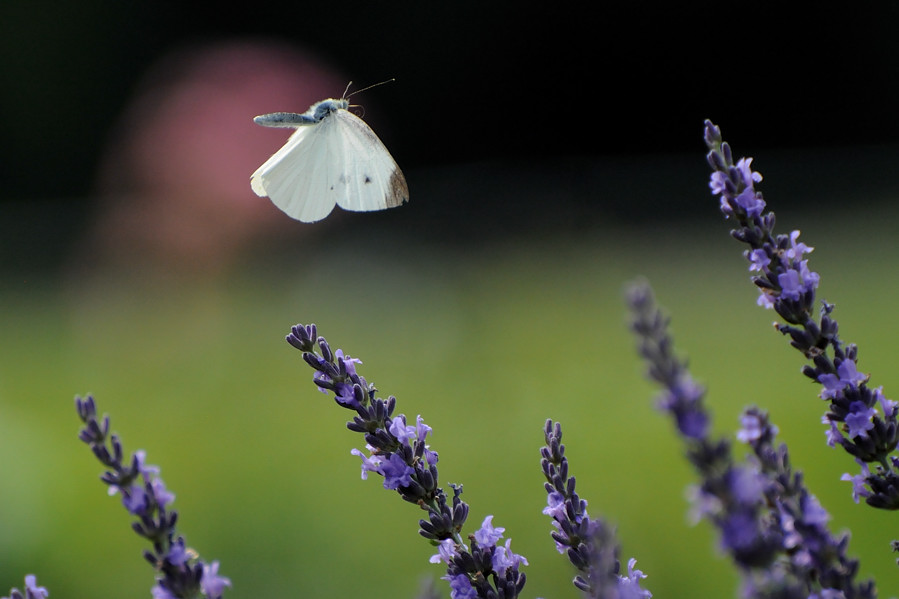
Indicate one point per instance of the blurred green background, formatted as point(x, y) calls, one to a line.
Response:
point(137, 265)
point(484, 342)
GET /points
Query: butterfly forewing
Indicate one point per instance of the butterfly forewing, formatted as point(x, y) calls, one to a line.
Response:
point(372, 179)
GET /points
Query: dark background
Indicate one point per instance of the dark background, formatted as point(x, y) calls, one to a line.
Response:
point(519, 97)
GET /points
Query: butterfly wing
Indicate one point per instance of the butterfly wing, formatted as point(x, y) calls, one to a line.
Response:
point(364, 176)
point(338, 160)
point(293, 178)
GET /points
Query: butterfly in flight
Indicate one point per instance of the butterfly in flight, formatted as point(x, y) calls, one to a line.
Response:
point(333, 158)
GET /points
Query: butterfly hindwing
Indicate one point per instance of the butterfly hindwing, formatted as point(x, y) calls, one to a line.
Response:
point(292, 177)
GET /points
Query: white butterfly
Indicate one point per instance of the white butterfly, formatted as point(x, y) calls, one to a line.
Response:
point(333, 157)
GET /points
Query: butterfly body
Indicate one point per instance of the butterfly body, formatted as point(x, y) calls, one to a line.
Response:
point(333, 158)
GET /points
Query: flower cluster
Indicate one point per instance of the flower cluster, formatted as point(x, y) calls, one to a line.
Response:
point(182, 575)
point(860, 419)
point(398, 451)
point(770, 525)
point(590, 543)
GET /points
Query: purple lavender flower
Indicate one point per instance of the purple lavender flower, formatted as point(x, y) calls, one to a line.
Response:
point(399, 452)
point(859, 482)
point(369, 463)
point(629, 586)
point(32, 591)
point(182, 573)
point(160, 592)
point(774, 529)
point(460, 586)
point(590, 543)
point(846, 377)
point(212, 584)
point(729, 494)
point(812, 552)
point(397, 473)
point(488, 534)
point(504, 559)
point(788, 286)
point(446, 551)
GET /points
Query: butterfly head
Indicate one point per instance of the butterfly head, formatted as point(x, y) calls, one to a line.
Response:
point(320, 110)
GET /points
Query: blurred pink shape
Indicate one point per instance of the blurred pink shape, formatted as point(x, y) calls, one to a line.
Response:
point(174, 184)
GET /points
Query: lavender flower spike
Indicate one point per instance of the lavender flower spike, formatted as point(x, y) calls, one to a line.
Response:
point(398, 451)
point(813, 553)
point(32, 591)
point(772, 526)
point(729, 495)
point(182, 575)
point(860, 419)
point(590, 543)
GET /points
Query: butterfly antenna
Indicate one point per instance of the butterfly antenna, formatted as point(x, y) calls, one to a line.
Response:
point(346, 95)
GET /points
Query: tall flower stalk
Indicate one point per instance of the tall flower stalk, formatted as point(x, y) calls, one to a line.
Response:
point(590, 543)
point(182, 574)
point(768, 522)
point(397, 450)
point(860, 418)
